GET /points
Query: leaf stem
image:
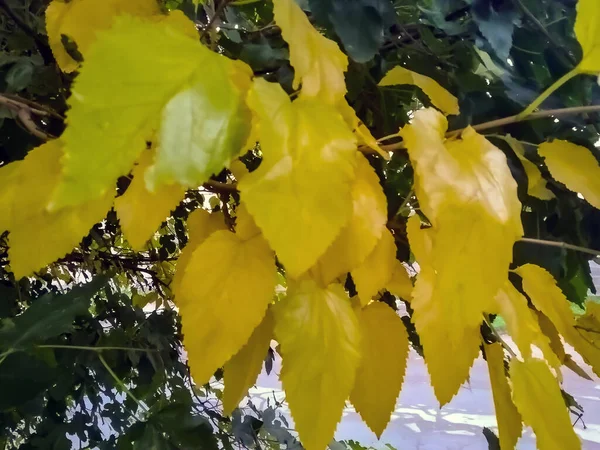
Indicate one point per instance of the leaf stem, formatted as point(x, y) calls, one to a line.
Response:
point(497, 336)
point(120, 383)
point(561, 245)
point(547, 93)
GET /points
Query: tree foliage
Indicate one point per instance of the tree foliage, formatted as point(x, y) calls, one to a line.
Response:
point(181, 183)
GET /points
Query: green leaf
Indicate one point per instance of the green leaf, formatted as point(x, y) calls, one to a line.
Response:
point(22, 378)
point(496, 25)
point(48, 316)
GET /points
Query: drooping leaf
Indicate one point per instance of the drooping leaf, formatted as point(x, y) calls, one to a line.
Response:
point(81, 20)
point(361, 25)
point(509, 419)
point(522, 324)
point(39, 237)
point(400, 284)
point(467, 192)
point(140, 211)
point(587, 30)
point(381, 371)
point(318, 62)
point(535, 391)
point(364, 229)
point(237, 284)
point(240, 372)
point(438, 95)
point(140, 77)
point(589, 323)
point(575, 167)
point(307, 150)
point(245, 227)
point(536, 184)
point(48, 316)
point(201, 224)
point(363, 134)
point(320, 340)
point(496, 22)
point(547, 297)
point(377, 269)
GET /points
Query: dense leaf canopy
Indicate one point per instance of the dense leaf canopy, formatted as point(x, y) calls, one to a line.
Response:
point(188, 188)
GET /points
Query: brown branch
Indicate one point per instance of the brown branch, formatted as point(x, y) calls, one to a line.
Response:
point(24, 113)
point(220, 188)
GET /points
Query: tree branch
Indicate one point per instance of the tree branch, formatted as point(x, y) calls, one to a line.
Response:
point(564, 245)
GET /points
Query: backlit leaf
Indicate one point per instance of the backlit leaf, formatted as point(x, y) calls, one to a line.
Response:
point(320, 340)
point(467, 192)
point(318, 62)
point(381, 371)
point(537, 396)
point(509, 419)
point(536, 184)
point(547, 297)
point(574, 166)
point(240, 372)
point(307, 151)
point(201, 224)
point(439, 96)
point(361, 131)
point(400, 284)
point(587, 30)
point(227, 286)
point(39, 237)
point(364, 229)
point(135, 74)
point(80, 20)
point(140, 211)
point(377, 269)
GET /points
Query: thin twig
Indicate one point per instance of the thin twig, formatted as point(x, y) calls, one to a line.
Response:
point(120, 383)
point(218, 10)
point(561, 245)
point(24, 113)
point(497, 336)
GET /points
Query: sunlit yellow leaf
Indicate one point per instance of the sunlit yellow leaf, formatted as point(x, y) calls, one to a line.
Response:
point(320, 342)
point(80, 20)
point(574, 166)
point(201, 224)
point(38, 237)
point(364, 229)
point(240, 372)
point(361, 131)
point(144, 79)
point(439, 96)
point(587, 30)
point(226, 288)
point(318, 62)
point(140, 211)
point(238, 169)
point(589, 323)
point(245, 227)
point(377, 269)
point(537, 396)
point(307, 151)
point(9, 180)
point(509, 419)
point(547, 297)
point(522, 324)
point(400, 284)
point(381, 371)
point(536, 184)
point(467, 192)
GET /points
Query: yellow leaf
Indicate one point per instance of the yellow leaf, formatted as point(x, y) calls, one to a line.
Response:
point(547, 297)
point(9, 179)
point(238, 169)
point(467, 192)
point(439, 96)
point(536, 184)
point(318, 62)
point(575, 167)
point(587, 30)
point(522, 324)
point(320, 339)
point(308, 151)
point(400, 284)
point(361, 131)
point(245, 227)
point(537, 396)
point(140, 211)
point(201, 224)
point(381, 371)
point(219, 313)
point(364, 229)
point(507, 416)
point(38, 237)
point(377, 269)
point(178, 20)
point(80, 20)
point(589, 323)
point(144, 79)
point(240, 372)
